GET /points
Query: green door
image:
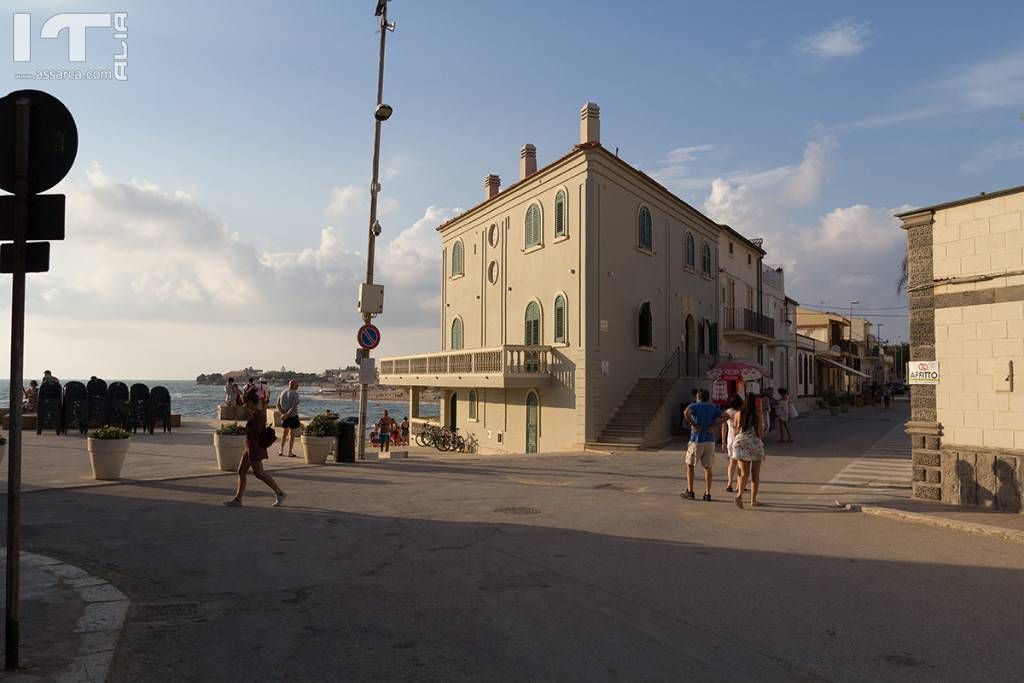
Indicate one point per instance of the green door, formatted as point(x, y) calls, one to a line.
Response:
point(532, 420)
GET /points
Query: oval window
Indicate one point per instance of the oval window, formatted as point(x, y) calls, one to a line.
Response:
point(492, 235)
point(492, 272)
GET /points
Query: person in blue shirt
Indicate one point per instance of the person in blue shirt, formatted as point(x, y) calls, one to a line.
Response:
point(704, 419)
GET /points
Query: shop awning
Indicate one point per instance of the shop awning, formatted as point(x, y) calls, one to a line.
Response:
point(846, 368)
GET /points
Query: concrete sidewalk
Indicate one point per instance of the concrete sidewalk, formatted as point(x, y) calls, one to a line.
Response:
point(1004, 525)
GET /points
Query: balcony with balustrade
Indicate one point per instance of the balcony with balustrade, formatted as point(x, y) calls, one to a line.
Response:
point(509, 366)
point(743, 323)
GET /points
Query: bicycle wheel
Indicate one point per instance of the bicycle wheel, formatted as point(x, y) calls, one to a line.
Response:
point(460, 443)
point(421, 439)
point(442, 443)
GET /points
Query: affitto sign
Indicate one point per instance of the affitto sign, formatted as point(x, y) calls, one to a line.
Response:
point(923, 372)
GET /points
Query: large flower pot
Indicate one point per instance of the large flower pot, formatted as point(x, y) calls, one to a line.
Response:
point(107, 457)
point(316, 448)
point(229, 448)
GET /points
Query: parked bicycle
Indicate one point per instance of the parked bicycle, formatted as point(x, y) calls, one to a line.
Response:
point(441, 438)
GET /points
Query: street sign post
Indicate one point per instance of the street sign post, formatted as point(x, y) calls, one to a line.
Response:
point(368, 337)
point(38, 145)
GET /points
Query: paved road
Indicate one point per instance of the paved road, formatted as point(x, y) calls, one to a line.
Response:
point(543, 568)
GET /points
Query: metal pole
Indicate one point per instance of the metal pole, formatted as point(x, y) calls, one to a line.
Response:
point(372, 238)
point(12, 617)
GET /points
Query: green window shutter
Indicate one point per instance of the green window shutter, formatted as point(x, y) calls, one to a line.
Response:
point(560, 320)
point(456, 335)
point(533, 227)
point(560, 214)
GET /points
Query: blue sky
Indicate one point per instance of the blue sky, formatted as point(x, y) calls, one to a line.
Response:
point(216, 210)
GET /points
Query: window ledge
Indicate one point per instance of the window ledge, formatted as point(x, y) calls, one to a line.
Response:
point(560, 345)
point(560, 238)
point(533, 248)
point(647, 349)
point(458, 277)
point(643, 250)
point(690, 269)
point(706, 276)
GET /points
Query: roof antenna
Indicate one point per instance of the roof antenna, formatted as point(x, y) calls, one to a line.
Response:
point(616, 151)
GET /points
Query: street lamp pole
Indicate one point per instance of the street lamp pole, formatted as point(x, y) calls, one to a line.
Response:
point(380, 115)
point(849, 380)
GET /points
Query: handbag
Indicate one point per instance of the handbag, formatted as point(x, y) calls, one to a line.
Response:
point(267, 437)
point(792, 411)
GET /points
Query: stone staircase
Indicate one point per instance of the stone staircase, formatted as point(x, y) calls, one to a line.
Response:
point(625, 431)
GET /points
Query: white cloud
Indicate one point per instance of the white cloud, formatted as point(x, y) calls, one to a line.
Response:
point(994, 83)
point(138, 255)
point(994, 153)
point(345, 202)
point(845, 38)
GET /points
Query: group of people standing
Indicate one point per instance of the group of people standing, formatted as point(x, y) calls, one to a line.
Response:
point(741, 430)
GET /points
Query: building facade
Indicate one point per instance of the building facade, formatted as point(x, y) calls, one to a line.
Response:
point(966, 291)
point(578, 307)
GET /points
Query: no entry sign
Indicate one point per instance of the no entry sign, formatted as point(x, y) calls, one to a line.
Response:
point(368, 337)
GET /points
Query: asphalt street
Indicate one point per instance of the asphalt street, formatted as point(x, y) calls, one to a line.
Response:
point(583, 567)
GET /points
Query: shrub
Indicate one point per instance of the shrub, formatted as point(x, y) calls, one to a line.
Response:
point(3, 441)
point(231, 429)
point(108, 432)
point(324, 424)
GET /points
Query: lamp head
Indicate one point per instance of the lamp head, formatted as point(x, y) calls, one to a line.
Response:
point(383, 112)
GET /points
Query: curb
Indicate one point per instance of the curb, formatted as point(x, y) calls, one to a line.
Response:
point(939, 522)
point(100, 624)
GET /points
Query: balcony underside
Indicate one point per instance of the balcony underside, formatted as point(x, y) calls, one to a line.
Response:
point(499, 381)
point(746, 335)
point(508, 367)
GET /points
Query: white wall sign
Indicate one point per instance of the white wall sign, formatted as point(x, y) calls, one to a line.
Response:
point(368, 371)
point(604, 325)
point(923, 372)
point(605, 367)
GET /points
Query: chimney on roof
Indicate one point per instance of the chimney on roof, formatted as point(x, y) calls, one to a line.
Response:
point(492, 185)
point(527, 161)
point(590, 123)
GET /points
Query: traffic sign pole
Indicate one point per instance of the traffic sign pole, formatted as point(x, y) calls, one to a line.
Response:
point(12, 613)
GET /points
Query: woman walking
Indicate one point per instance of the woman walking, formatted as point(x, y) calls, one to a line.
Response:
point(749, 448)
point(729, 437)
point(255, 453)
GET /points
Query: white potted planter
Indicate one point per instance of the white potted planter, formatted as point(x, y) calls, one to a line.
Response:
point(229, 446)
point(107, 448)
point(318, 438)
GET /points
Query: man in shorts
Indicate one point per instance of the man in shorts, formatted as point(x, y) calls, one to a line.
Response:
point(704, 419)
point(288, 405)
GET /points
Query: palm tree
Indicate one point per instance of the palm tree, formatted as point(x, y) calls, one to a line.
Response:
point(901, 284)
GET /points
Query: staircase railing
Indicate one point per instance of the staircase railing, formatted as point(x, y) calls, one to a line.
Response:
point(673, 369)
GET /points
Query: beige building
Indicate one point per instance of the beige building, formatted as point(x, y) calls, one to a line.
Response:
point(966, 289)
point(579, 307)
point(837, 357)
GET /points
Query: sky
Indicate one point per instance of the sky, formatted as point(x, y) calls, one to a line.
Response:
point(217, 209)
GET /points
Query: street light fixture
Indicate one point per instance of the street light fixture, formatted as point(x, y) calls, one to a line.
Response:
point(849, 380)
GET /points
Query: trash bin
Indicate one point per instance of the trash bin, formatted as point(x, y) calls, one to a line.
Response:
point(346, 450)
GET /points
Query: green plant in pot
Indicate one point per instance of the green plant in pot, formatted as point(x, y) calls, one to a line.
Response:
point(108, 446)
point(319, 437)
point(229, 446)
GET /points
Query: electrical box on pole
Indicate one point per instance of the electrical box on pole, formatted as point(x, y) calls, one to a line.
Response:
point(371, 299)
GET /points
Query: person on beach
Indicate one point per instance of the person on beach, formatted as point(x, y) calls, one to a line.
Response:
point(288, 405)
point(704, 419)
point(255, 454)
point(263, 393)
point(385, 426)
point(405, 431)
point(728, 437)
point(232, 396)
point(250, 385)
point(48, 378)
point(31, 397)
point(784, 409)
point(749, 448)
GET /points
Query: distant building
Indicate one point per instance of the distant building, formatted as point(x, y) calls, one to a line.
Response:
point(835, 353)
point(966, 291)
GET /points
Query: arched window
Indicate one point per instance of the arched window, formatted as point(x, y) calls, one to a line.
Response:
point(691, 252)
point(457, 259)
point(705, 261)
point(559, 319)
point(472, 404)
point(534, 225)
point(456, 334)
point(531, 334)
point(645, 230)
point(560, 217)
point(645, 327)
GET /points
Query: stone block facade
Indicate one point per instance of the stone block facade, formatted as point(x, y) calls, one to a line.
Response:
point(966, 297)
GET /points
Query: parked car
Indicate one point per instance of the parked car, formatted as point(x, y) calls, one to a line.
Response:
point(897, 387)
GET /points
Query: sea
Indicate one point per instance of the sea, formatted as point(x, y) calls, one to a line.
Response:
point(199, 401)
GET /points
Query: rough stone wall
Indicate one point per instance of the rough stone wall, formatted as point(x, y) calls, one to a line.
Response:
point(923, 427)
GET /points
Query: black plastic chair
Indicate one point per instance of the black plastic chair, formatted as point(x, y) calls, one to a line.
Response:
point(160, 408)
point(76, 408)
point(140, 416)
point(118, 405)
point(97, 391)
point(48, 407)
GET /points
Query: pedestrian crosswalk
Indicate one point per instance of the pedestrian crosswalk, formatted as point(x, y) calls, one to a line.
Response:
point(883, 468)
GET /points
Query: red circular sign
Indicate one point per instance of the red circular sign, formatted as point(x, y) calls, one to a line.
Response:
point(368, 337)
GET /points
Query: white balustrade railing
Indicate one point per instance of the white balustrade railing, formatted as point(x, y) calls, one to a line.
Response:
point(508, 360)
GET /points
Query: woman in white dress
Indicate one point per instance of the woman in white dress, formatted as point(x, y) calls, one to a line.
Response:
point(728, 436)
point(748, 446)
